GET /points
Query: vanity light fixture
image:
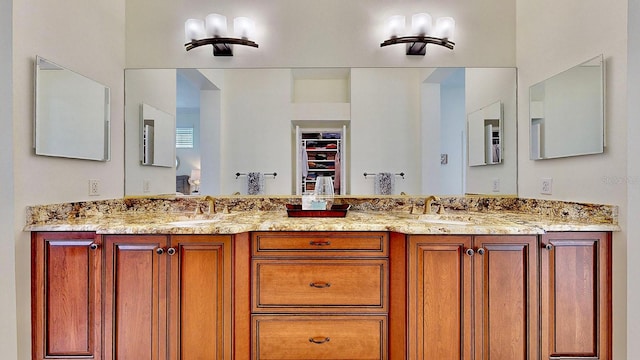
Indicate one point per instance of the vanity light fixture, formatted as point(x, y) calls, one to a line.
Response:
point(423, 32)
point(213, 31)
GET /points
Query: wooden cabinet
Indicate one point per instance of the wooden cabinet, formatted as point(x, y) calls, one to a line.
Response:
point(472, 297)
point(575, 293)
point(167, 297)
point(320, 295)
point(66, 300)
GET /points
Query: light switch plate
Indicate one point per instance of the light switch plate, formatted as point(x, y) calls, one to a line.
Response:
point(546, 186)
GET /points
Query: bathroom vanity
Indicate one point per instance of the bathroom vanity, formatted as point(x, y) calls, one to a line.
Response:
point(487, 279)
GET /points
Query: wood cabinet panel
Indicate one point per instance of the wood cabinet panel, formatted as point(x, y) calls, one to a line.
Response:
point(200, 297)
point(505, 293)
point(439, 298)
point(323, 244)
point(136, 297)
point(310, 285)
point(472, 297)
point(286, 337)
point(66, 295)
point(576, 296)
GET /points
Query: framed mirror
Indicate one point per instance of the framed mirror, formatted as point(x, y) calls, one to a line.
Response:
point(72, 116)
point(567, 112)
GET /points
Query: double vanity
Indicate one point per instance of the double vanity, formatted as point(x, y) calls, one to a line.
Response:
point(237, 278)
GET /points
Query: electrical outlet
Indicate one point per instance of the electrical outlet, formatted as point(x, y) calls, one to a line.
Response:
point(94, 187)
point(146, 185)
point(495, 185)
point(546, 186)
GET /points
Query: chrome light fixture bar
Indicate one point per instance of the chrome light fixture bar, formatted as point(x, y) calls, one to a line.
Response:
point(213, 31)
point(423, 33)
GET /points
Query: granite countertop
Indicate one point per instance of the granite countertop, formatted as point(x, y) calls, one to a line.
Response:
point(232, 215)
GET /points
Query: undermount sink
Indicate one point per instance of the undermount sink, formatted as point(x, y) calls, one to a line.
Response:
point(197, 220)
point(443, 219)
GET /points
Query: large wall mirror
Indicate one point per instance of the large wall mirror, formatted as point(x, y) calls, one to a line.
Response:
point(408, 122)
point(71, 114)
point(567, 112)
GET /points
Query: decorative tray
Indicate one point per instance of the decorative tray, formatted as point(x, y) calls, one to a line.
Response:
point(335, 211)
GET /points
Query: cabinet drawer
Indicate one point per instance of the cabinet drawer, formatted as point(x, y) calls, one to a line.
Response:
point(343, 244)
point(311, 285)
point(319, 337)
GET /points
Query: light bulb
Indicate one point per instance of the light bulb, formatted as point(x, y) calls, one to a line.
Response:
point(243, 27)
point(216, 25)
point(445, 27)
point(396, 26)
point(193, 30)
point(421, 24)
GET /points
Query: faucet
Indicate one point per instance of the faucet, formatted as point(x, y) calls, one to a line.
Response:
point(212, 205)
point(427, 203)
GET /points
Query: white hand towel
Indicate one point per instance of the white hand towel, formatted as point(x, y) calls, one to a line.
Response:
point(304, 161)
point(384, 183)
point(255, 183)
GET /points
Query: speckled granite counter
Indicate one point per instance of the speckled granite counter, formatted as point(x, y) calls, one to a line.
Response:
point(237, 214)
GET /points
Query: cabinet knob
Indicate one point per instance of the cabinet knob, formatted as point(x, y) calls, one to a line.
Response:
point(320, 285)
point(548, 246)
point(320, 243)
point(171, 251)
point(480, 251)
point(469, 252)
point(319, 340)
point(159, 251)
point(93, 246)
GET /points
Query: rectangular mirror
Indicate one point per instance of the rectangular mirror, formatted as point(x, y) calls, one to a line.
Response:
point(567, 112)
point(72, 116)
point(397, 120)
point(484, 135)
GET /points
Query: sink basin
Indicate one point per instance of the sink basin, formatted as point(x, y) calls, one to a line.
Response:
point(197, 220)
point(445, 221)
point(442, 219)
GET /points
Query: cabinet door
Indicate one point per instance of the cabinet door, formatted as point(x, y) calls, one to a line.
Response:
point(135, 297)
point(439, 298)
point(65, 290)
point(576, 295)
point(200, 297)
point(505, 297)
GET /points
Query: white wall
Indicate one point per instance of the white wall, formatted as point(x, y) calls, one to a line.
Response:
point(581, 30)
point(328, 33)
point(256, 123)
point(87, 37)
point(142, 87)
point(385, 127)
point(633, 181)
point(452, 125)
point(8, 331)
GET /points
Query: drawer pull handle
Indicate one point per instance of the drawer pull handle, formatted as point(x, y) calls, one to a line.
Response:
point(320, 243)
point(319, 340)
point(320, 285)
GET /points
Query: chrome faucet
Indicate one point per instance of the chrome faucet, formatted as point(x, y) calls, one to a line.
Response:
point(427, 203)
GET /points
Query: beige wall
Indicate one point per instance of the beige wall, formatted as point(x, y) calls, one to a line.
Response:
point(8, 333)
point(553, 36)
point(87, 37)
point(335, 33)
point(632, 182)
